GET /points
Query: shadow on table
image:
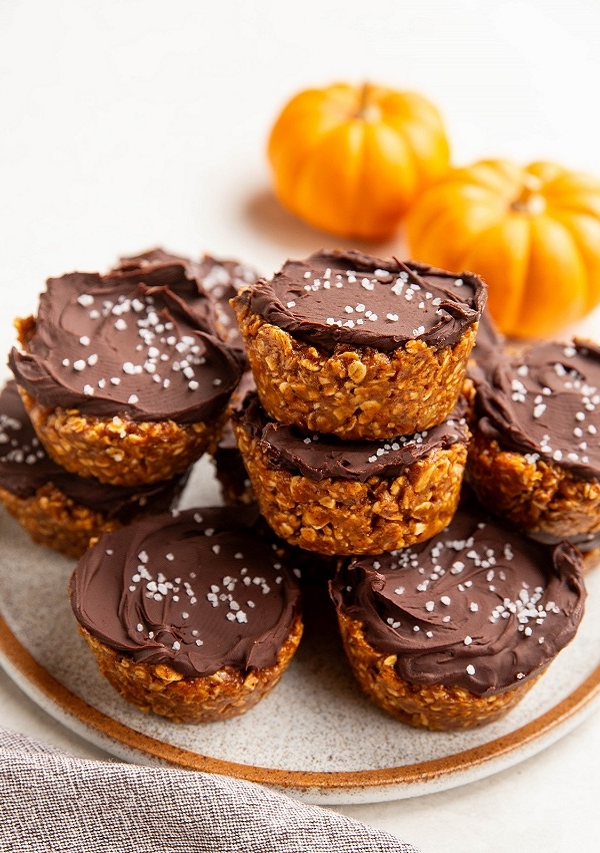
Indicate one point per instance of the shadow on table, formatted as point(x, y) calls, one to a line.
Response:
point(270, 220)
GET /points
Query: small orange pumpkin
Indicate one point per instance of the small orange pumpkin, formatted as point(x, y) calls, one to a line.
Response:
point(533, 234)
point(349, 160)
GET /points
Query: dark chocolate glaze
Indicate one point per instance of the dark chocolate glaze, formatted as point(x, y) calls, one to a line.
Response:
point(346, 297)
point(585, 542)
point(321, 456)
point(477, 606)
point(223, 279)
point(139, 342)
point(197, 590)
point(220, 278)
point(25, 467)
point(544, 403)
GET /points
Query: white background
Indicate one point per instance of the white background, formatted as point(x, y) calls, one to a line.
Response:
point(125, 125)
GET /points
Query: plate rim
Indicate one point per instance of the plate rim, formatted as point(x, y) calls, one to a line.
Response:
point(413, 775)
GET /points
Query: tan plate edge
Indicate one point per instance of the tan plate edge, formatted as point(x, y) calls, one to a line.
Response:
point(422, 772)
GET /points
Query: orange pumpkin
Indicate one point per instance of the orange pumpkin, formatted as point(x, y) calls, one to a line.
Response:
point(533, 234)
point(349, 160)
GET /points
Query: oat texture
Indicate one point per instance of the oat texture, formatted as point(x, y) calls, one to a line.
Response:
point(537, 496)
point(344, 517)
point(118, 450)
point(436, 707)
point(56, 521)
point(162, 690)
point(53, 520)
point(355, 393)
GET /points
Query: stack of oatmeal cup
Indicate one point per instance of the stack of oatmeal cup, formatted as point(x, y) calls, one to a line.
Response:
point(121, 382)
point(356, 442)
point(356, 439)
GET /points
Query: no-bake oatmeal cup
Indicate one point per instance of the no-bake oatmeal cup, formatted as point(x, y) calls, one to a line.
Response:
point(535, 453)
point(453, 632)
point(363, 348)
point(338, 497)
point(192, 616)
point(122, 375)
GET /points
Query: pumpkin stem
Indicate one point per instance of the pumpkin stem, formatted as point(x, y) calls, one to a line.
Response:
point(367, 110)
point(530, 199)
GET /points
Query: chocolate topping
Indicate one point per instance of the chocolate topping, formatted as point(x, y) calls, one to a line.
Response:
point(545, 403)
point(320, 456)
point(476, 606)
point(220, 278)
point(585, 542)
point(224, 279)
point(358, 300)
point(25, 467)
point(197, 590)
point(137, 342)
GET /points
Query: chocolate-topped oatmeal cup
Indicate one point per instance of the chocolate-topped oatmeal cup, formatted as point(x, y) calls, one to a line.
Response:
point(357, 346)
point(190, 615)
point(339, 497)
point(453, 632)
point(58, 509)
point(123, 375)
point(535, 453)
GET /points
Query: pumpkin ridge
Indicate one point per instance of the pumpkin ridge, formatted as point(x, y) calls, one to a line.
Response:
point(421, 169)
point(319, 215)
point(520, 307)
point(360, 178)
point(572, 231)
point(327, 106)
point(368, 100)
point(508, 321)
point(574, 228)
point(577, 296)
point(559, 205)
point(402, 152)
point(305, 163)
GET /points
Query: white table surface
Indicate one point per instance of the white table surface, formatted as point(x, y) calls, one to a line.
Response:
point(128, 124)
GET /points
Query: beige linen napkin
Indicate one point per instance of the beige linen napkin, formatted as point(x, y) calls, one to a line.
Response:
point(51, 802)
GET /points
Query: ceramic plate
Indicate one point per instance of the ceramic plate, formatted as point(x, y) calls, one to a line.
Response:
point(315, 736)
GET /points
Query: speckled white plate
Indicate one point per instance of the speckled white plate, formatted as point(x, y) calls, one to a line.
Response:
point(315, 736)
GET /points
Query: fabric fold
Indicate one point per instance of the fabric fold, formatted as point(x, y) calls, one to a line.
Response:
point(54, 802)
